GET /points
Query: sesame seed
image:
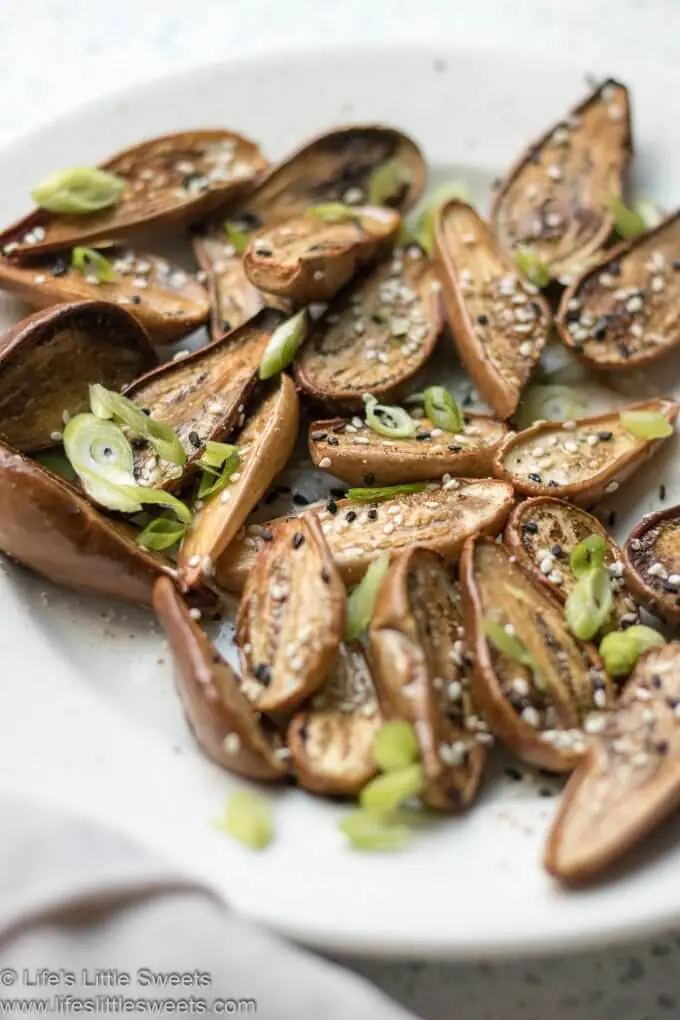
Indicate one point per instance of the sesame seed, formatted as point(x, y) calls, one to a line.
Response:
point(657, 569)
point(389, 528)
point(194, 560)
point(569, 426)
point(635, 304)
point(606, 280)
point(531, 717)
point(555, 172)
point(232, 743)
point(600, 699)
point(195, 613)
point(325, 462)
point(570, 446)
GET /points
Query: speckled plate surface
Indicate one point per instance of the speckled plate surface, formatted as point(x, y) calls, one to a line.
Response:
point(88, 714)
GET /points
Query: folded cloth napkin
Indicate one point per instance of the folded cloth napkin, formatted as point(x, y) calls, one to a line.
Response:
point(88, 916)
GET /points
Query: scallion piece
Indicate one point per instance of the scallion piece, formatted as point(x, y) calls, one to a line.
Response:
point(547, 403)
point(621, 649)
point(646, 424)
point(90, 262)
point(388, 792)
point(161, 534)
point(587, 554)
point(391, 421)
point(361, 601)
point(374, 831)
point(649, 210)
point(532, 267)
point(216, 477)
point(387, 182)
point(442, 409)
point(332, 212)
point(589, 604)
point(108, 404)
point(78, 190)
point(378, 494)
point(248, 819)
point(428, 209)
point(395, 746)
point(238, 239)
point(215, 454)
point(627, 222)
point(283, 345)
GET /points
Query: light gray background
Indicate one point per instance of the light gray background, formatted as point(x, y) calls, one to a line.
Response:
point(55, 54)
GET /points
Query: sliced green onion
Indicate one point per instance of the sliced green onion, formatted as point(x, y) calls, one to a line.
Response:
point(361, 601)
point(510, 645)
point(532, 267)
point(646, 424)
point(238, 239)
point(649, 210)
point(161, 534)
point(395, 746)
point(627, 222)
point(387, 182)
point(215, 454)
point(109, 404)
point(621, 649)
point(442, 409)
point(90, 262)
point(57, 462)
point(387, 420)
point(332, 212)
point(248, 819)
point(212, 480)
point(588, 554)
point(388, 792)
point(283, 345)
point(590, 603)
point(370, 830)
point(547, 403)
point(427, 211)
point(378, 494)
point(78, 190)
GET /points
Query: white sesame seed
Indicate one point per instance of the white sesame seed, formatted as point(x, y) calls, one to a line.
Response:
point(531, 716)
point(525, 349)
point(595, 723)
point(56, 437)
point(658, 284)
point(389, 528)
point(546, 565)
point(600, 699)
point(232, 743)
point(570, 446)
point(195, 613)
point(554, 219)
point(520, 686)
point(325, 462)
point(555, 172)
point(674, 579)
point(568, 426)
point(635, 304)
point(657, 569)
point(555, 576)
point(606, 280)
point(455, 690)
point(611, 487)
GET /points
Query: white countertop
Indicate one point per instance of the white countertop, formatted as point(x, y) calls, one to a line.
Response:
point(55, 54)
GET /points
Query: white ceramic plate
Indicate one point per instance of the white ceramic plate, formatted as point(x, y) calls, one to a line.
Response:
point(88, 716)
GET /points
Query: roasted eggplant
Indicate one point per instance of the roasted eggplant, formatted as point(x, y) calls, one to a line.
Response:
point(556, 197)
point(422, 674)
point(533, 682)
point(233, 299)
point(583, 460)
point(226, 726)
point(499, 323)
point(48, 360)
point(357, 531)
point(629, 781)
point(651, 559)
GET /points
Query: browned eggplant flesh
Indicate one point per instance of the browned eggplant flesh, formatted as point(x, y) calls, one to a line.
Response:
point(652, 562)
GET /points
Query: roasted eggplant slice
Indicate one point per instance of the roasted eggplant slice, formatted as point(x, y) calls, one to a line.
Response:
point(351, 450)
point(201, 396)
point(167, 300)
point(233, 299)
point(357, 531)
point(499, 323)
point(375, 336)
point(580, 460)
point(543, 532)
point(49, 527)
point(629, 781)
point(308, 258)
point(290, 619)
point(175, 178)
point(421, 671)
point(622, 312)
point(226, 726)
point(555, 198)
point(331, 738)
point(535, 701)
point(48, 360)
point(265, 443)
point(651, 558)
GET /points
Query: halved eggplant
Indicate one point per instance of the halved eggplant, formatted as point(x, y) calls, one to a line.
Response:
point(351, 450)
point(537, 710)
point(422, 674)
point(375, 335)
point(622, 312)
point(331, 738)
point(174, 178)
point(265, 443)
point(48, 360)
point(336, 167)
point(201, 396)
point(499, 323)
point(651, 558)
point(49, 527)
point(226, 726)
point(290, 618)
point(629, 781)
point(166, 299)
point(555, 198)
point(581, 460)
point(358, 531)
point(308, 258)
point(543, 532)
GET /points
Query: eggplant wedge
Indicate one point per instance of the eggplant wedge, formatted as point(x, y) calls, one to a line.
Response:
point(201, 396)
point(226, 726)
point(358, 531)
point(622, 312)
point(351, 450)
point(651, 559)
point(543, 532)
point(629, 781)
point(341, 166)
point(331, 738)
point(308, 258)
point(375, 335)
point(537, 710)
point(582, 460)
point(422, 674)
point(555, 198)
point(499, 323)
point(50, 528)
point(48, 360)
point(290, 618)
point(175, 178)
point(265, 443)
point(167, 300)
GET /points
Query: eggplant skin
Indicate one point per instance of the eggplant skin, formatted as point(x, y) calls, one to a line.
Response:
point(49, 527)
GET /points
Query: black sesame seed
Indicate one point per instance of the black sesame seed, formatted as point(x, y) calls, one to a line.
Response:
point(661, 747)
point(672, 589)
point(59, 267)
point(423, 435)
point(656, 681)
point(483, 319)
point(556, 550)
point(533, 477)
point(332, 441)
point(624, 351)
point(605, 436)
point(337, 493)
point(513, 773)
point(332, 506)
point(298, 539)
point(248, 221)
point(673, 703)
point(340, 427)
point(265, 253)
point(676, 265)
point(552, 484)
point(614, 268)
point(319, 436)
point(135, 299)
point(299, 499)
point(351, 515)
point(264, 674)
point(226, 326)
point(195, 439)
point(267, 536)
point(545, 791)
point(662, 492)
point(372, 514)
point(325, 575)
point(369, 479)
point(530, 527)
point(455, 448)
point(611, 520)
